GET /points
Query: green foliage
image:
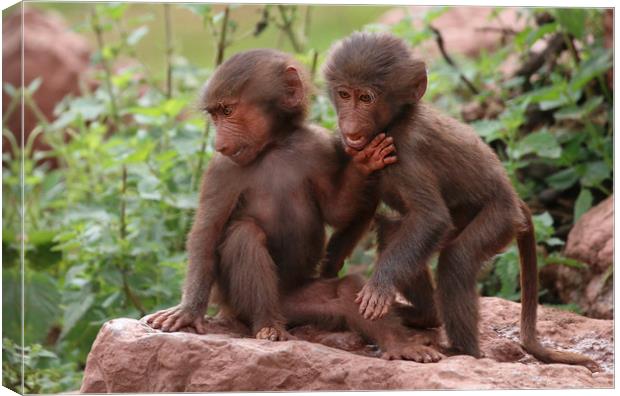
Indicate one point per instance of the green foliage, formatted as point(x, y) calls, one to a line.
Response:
point(43, 371)
point(105, 231)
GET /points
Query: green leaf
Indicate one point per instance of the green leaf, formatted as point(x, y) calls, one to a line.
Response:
point(573, 20)
point(557, 258)
point(10, 90)
point(113, 11)
point(595, 173)
point(87, 107)
point(582, 204)
point(554, 242)
point(41, 305)
point(198, 9)
point(76, 310)
point(576, 112)
point(137, 35)
point(598, 63)
point(543, 144)
point(34, 85)
point(543, 225)
point(489, 130)
point(148, 188)
point(183, 201)
point(507, 269)
point(563, 179)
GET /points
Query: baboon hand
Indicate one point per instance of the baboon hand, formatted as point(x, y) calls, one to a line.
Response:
point(375, 301)
point(375, 155)
point(175, 318)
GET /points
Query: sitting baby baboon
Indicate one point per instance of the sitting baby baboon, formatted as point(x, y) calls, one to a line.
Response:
point(449, 190)
point(259, 231)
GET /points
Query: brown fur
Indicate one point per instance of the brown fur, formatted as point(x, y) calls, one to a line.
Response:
point(259, 232)
point(449, 189)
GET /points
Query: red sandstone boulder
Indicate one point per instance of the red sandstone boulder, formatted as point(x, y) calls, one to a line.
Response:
point(52, 52)
point(591, 242)
point(465, 30)
point(591, 239)
point(129, 356)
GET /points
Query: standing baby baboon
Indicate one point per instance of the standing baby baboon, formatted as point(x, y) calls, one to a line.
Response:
point(449, 189)
point(259, 231)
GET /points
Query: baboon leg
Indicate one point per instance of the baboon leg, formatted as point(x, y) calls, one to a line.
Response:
point(419, 292)
point(250, 280)
point(458, 267)
point(331, 303)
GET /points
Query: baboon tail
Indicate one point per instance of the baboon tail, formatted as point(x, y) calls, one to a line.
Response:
point(526, 242)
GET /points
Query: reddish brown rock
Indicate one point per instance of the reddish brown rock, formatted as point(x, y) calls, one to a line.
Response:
point(129, 356)
point(591, 239)
point(591, 242)
point(465, 30)
point(52, 52)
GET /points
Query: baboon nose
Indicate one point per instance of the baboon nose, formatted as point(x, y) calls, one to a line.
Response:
point(223, 148)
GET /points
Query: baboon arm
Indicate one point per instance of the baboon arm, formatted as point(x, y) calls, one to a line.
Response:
point(217, 202)
point(343, 241)
point(422, 230)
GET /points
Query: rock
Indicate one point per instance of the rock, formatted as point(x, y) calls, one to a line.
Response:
point(591, 242)
point(465, 30)
point(129, 356)
point(52, 52)
point(591, 239)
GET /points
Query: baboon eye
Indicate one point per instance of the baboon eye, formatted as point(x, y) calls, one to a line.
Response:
point(227, 110)
point(365, 98)
point(344, 94)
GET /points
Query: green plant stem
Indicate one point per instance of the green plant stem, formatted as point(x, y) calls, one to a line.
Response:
point(307, 20)
point(123, 235)
point(15, 100)
point(32, 105)
point(106, 68)
point(123, 226)
point(169, 50)
point(131, 295)
point(221, 46)
point(131, 51)
point(315, 58)
point(201, 154)
point(287, 28)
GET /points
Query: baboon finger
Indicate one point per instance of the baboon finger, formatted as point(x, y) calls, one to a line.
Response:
point(372, 306)
point(387, 150)
point(178, 323)
point(364, 303)
point(385, 143)
point(390, 160)
point(170, 321)
point(157, 322)
point(376, 141)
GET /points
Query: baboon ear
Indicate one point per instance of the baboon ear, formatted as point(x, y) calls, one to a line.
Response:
point(419, 87)
point(293, 88)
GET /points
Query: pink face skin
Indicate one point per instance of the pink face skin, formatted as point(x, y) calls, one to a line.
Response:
point(242, 130)
point(361, 114)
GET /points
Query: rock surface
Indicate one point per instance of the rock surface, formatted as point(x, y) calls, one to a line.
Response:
point(129, 356)
point(591, 242)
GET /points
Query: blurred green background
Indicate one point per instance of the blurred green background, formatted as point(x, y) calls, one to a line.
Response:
point(321, 24)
